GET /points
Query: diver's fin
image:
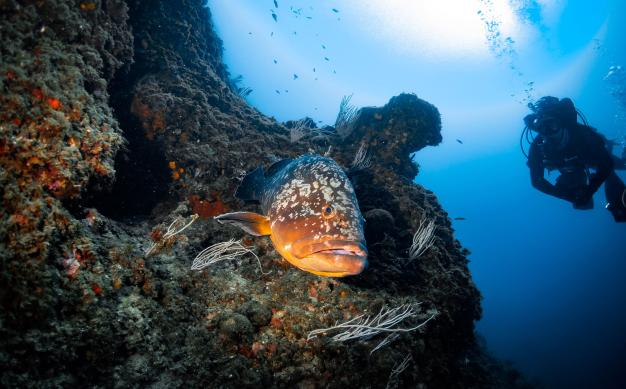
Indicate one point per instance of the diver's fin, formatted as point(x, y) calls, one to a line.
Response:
point(277, 166)
point(250, 222)
point(618, 163)
point(251, 188)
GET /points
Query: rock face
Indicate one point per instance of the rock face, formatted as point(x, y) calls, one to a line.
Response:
point(117, 118)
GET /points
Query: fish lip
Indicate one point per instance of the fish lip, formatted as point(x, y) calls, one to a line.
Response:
point(343, 257)
point(328, 263)
point(330, 247)
point(343, 252)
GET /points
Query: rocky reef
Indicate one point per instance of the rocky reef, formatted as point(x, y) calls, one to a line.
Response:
point(118, 123)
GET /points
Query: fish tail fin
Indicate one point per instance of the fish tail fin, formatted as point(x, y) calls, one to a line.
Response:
point(251, 188)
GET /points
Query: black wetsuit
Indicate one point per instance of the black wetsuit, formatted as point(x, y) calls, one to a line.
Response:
point(584, 149)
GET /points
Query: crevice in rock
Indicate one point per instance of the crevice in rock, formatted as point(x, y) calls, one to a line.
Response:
point(142, 177)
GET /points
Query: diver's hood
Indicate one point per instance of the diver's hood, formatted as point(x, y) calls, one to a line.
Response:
point(550, 107)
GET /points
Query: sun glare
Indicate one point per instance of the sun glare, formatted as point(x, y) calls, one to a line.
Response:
point(439, 29)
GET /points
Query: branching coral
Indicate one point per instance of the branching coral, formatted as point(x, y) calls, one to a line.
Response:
point(361, 159)
point(423, 238)
point(364, 327)
point(303, 128)
point(385, 342)
point(222, 251)
point(167, 239)
point(346, 118)
point(397, 369)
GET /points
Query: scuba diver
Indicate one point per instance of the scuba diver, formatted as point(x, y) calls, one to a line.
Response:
point(573, 149)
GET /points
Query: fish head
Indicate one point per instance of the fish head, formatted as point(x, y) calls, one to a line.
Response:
point(315, 220)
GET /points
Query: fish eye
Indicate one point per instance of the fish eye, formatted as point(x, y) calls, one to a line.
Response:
point(328, 212)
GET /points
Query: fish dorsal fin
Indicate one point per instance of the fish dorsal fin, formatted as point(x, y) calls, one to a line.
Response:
point(277, 166)
point(253, 184)
point(251, 188)
point(252, 223)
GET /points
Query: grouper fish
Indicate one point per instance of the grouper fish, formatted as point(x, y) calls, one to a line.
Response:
point(310, 212)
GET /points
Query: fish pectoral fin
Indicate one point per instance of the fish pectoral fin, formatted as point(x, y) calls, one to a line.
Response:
point(252, 223)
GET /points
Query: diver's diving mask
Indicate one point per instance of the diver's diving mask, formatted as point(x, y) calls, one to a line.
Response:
point(552, 131)
point(547, 125)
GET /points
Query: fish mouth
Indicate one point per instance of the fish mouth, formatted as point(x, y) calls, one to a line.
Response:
point(347, 251)
point(332, 258)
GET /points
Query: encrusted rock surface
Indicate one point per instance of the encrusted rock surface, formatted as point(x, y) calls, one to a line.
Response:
point(81, 301)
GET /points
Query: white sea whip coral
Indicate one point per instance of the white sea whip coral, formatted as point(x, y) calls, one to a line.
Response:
point(301, 128)
point(344, 124)
point(361, 159)
point(176, 227)
point(364, 327)
point(222, 251)
point(423, 238)
point(397, 369)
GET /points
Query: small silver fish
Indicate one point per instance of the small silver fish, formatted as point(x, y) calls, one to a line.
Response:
point(310, 212)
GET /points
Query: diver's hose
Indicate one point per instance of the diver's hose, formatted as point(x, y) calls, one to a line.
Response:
point(529, 136)
point(526, 133)
point(521, 141)
point(582, 117)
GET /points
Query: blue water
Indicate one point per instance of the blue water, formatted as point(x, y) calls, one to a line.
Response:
point(553, 278)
